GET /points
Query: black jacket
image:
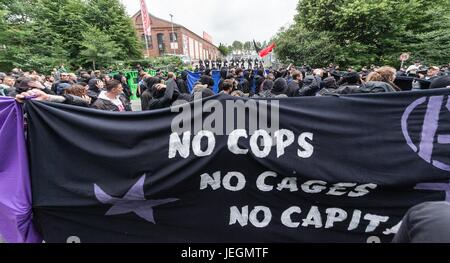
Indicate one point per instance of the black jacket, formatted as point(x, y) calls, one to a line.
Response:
point(106, 105)
point(182, 86)
point(294, 88)
point(157, 100)
point(75, 101)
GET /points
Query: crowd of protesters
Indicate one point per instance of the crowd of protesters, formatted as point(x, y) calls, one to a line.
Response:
point(426, 222)
point(98, 90)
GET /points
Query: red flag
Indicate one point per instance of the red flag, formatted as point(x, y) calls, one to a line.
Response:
point(146, 19)
point(266, 51)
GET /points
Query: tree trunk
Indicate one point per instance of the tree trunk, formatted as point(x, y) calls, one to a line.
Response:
point(93, 64)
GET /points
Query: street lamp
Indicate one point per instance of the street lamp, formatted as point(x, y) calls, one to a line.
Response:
point(173, 35)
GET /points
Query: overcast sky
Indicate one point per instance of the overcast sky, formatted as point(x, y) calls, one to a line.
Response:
point(224, 20)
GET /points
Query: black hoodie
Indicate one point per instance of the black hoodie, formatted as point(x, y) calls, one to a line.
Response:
point(93, 91)
point(280, 87)
point(147, 95)
point(163, 98)
point(182, 83)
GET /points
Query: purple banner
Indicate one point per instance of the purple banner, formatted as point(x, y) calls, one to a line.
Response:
point(15, 191)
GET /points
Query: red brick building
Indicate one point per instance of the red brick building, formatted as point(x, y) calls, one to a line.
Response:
point(184, 41)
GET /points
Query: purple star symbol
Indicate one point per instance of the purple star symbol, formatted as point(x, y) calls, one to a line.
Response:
point(133, 202)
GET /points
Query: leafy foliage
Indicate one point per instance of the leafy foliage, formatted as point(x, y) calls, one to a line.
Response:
point(97, 47)
point(360, 32)
point(41, 34)
point(224, 50)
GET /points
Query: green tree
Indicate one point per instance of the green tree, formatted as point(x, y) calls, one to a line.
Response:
point(300, 46)
point(65, 18)
point(360, 32)
point(237, 45)
point(223, 50)
point(248, 46)
point(26, 41)
point(110, 16)
point(40, 34)
point(98, 48)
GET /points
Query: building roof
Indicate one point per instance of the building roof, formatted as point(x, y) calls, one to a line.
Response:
point(175, 25)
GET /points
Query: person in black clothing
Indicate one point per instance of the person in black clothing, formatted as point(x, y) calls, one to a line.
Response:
point(182, 83)
point(206, 79)
point(311, 86)
point(243, 83)
point(266, 89)
point(259, 79)
point(147, 95)
point(219, 63)
point(440, 83)
point(250, 63)
point(280, 88)
point(95, 87)
point(249, 80)
point(223, 77)
point(295, 84)
point(350, 79)
point(426, 223)
point(163, 95)
point(64, 81)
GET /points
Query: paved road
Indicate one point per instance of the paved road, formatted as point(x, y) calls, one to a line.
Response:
point(136, 105)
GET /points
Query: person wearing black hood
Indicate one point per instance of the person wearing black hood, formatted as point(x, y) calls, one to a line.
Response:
point(350, 79)
point(280, 88)
point(266, 87)
point(147, 95)
point(330, 87)
point(223, 77)
point(182, 83)
point(163, 95)
point(249, 82)
point(259, 79)
point(311, 86)
point(95, 88)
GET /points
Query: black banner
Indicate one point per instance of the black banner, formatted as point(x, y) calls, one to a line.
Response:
point(333, 169)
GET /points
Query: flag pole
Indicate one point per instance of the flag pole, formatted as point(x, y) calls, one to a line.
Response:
point(146, 44)
point(146, 24)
